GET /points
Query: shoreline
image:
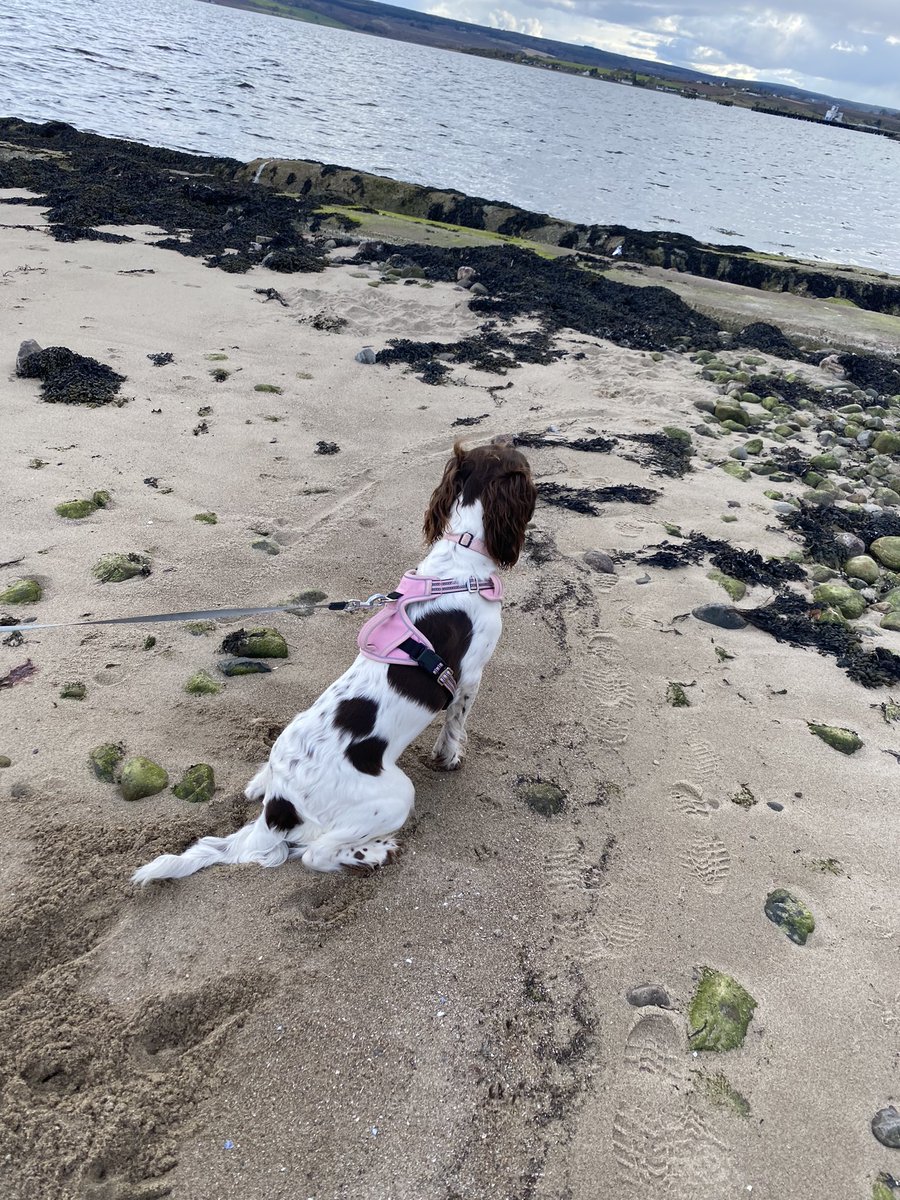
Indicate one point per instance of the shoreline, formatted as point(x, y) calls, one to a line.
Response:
point(706, 804)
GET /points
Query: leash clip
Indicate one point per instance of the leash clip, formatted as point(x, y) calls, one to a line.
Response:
point(375, 601)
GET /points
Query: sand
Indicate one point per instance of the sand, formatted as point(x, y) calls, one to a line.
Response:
point(456, 1026)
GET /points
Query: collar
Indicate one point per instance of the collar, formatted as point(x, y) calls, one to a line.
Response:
point(469, 541)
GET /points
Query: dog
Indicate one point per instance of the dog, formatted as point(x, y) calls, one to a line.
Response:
point(332, 793)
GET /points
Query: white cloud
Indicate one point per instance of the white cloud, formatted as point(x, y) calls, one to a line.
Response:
point(848, 48)
point(499, 18)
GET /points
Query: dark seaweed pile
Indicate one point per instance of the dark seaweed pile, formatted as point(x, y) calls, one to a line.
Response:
point(667, 455)
point(746, 565)
point(564, 296)
point(103, 181)
point(585, 500)
point(593, 445)
point(793, 392)
point(70, 378)
point(871, 371)
point(767, 338)
point(818, 526)
point(488, 350)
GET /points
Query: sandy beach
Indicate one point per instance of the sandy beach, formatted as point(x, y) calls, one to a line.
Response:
point(456, 1027)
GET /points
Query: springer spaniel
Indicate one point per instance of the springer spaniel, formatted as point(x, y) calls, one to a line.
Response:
point(333, 795)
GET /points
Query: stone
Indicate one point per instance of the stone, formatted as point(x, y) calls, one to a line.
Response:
point(598, 561)
point(544, 798)
point(117, 568)
point(819, 573)
point(201, 683)
point(720, 1012)
point(206, 518)
point(648, 993)
point(142, 777)
point(26, 349)
point(886, 442)
point(862, 567)
point(892, 599)
point(844, 740)
point(735, 588)
point(366, 355)
point(5, 761)
point(738, 453)
point(267, 546)
point(23, 591)
point(676, 696)
point(838, 595)
point(76, 510)
point(478, 289)
point(885, 549)
point(736, 471)
point(197, 784)
point(754, 446)
point(850, 544)
point(75, 690)
point(891, 621)
point(104, 759)
point(255, 643)
point(729, 410)
point(790, 914)
point(886, 1127)
point(465, 275)
point(824, 462)
point(720, 615)
point(243, 666)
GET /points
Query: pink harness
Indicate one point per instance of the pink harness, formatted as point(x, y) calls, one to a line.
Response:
point(391, 637)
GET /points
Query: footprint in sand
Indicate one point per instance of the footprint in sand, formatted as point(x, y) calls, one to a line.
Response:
point(705, 859)
point(592, 915)
point(661, 1144)
point(610, 702)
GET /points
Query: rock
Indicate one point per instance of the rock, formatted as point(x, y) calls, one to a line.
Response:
point(104, 759)
point(465, 275)
point(720, 615)
point(73, 691)
point(197, 784)
point(862, 567)
point(206, 518)
point(821, 574)
point(5, 761)
point(885, 549)
point(648, 993)
point(886, 1127)
point(366, 355)
point(850, 543)
point(844, 740)
point(201, 683)
point(544, 798)
point(267, 546)
point(23, 591)
point(735, 588)
point(892, 599)
point(76, 510)
point(737, 471)
point(790, 914)
point(677, 434)
point(738, 453)
point(255, 643)
point(824, 462)
point(676, 696)
point(141, 777)
point(886, 442)
point(891, 621)
point(25, 349)
point(744, 798)
point(885, 1187)
point(242, 666)
point(116, 568)
point(754, 446)
point(478, 289)
point(730, 410)
point(720, 1012)
point(837, 595)
point(598, 561)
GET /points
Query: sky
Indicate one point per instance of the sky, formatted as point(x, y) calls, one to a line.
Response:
point(849, 49)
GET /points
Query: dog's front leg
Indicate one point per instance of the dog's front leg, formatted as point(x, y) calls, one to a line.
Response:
point(449, 750)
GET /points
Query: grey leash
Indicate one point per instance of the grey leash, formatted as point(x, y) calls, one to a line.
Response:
point(374, 602)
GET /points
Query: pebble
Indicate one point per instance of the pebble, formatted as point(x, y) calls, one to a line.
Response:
point(844, 740)
point(775, 805)
point(197, 784)
point(28, 347)
point(720, 615)
point(720, 1012)
point(243, 666)
point(599, 561)
point(366, 355)
point(790, 914)
point(648, 993)
point(545, 798)
point(886, 1127)
point(142, 777)
point(5, 760)
point(642, 579)
point(260, 642)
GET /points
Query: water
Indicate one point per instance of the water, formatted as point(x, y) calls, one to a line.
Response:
point(176, 73)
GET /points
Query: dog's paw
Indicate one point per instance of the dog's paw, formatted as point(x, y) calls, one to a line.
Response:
point(444, 762)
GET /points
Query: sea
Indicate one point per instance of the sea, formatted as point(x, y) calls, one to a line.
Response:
point(197, 76)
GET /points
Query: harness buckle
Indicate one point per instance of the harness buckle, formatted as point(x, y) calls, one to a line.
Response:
point(447, 680)
point(472, 584)
point(465, 545)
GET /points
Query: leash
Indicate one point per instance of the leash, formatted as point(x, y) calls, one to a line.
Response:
point(374, 602)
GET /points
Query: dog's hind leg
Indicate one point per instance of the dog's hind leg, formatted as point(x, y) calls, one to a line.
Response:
point(364, 840)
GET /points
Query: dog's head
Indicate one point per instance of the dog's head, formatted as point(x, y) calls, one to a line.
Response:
point(499, 477)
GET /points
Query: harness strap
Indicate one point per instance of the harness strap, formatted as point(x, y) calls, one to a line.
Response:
point(469, 541)
point(429, 661)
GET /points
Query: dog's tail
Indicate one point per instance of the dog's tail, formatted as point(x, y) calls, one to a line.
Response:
point(255, 843)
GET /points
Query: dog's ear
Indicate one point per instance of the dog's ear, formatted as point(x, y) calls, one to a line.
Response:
point(444, 496)
point(508, 503)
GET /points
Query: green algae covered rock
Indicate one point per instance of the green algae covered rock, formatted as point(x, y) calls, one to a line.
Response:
point(544, 798)
point(206, 518)
point(676, 696)
point(735, 588)
point(845, 599)
point(76, 510)
point(104, 759)
point(719, 1013)
point(201, 683)
point(75, 690)
point(885, 549)
point(197, 784)
point(737, 471)
point(862, 567)
point(243, 666)
point(891, 621)
point(886, 443)
point(23, 591)
point(116, 568)
point(142, 777)
point(255, 643)
point(844, 740)
point(790, 914)
point(5, 760)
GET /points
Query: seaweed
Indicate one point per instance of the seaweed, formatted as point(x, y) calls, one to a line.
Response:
point(769, 339)
point(669, 455)
point(871, 371)
point(70, 378)
point(817, 527)
point(745, 565)
point(488, 350)
point(593, 445)
point(585, 500)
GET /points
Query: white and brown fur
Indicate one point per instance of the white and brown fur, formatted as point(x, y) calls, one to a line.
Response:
point(332, 792)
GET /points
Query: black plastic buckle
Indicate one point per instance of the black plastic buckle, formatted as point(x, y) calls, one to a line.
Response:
point(466, 545)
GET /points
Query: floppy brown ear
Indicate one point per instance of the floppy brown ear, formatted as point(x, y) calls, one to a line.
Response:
point(440, 506)
point(508, 504)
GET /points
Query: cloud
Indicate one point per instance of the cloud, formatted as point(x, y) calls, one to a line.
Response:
point(822, 45)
